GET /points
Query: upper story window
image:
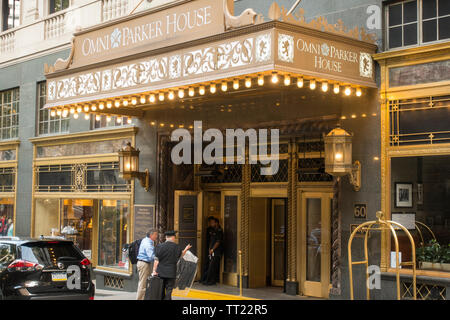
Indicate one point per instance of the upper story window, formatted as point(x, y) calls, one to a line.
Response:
point(10, 14)
point(58, 5)
point(9, 114)
point(48, 124)
point(416, 22)
point(103, 121)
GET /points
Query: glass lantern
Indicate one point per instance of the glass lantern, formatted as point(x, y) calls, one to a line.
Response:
point(129, 162)
point(338, 152)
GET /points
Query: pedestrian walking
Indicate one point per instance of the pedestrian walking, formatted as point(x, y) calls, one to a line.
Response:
point(145, 259)
point(167, 255)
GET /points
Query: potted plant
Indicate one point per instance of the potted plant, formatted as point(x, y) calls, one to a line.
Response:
point(434, 256)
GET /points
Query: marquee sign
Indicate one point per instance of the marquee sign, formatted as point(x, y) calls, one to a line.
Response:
point(134, 55)
point(321, 56)
point(183, 22)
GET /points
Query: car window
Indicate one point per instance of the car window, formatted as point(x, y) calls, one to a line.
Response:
point(50, 253)
point(7, 254)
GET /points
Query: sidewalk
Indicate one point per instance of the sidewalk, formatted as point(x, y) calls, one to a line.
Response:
point(217, 292)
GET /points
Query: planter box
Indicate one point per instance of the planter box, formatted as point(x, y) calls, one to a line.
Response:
point(435, 266)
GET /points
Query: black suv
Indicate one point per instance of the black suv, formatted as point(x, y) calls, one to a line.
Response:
point(38, 269)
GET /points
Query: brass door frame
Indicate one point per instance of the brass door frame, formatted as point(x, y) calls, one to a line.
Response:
point(176, 211)
point(230, 278)
point(310, 288)
point(274, 282)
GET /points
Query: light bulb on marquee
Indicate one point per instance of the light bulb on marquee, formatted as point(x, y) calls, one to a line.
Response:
point(274, 77)
point(171, 95)
point(212, 88)
point(287, 80)
point(142, 100)
point(300, 82)
point(161, 96)
point(191, 92)
point(58, 112)
point(152, 98)
point(336, 88)
point(181, 93)
point(358, 92)
point(261, 80)
point(201, 90)
point(93, 107)
point(224, 86)
point(86, 108)
point(97, 117)
point(125, 103)
point(134, 101)
point(79, 109)
point(72, 110)
point(86, 117)
point(312, 84)
point(348, 91)
point(324, 86)
point(248, 82)
point(117, 103)
point(75, 115)
point(53, 113)
point(236, 84)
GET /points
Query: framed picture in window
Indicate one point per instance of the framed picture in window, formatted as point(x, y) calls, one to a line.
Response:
point(403, 195)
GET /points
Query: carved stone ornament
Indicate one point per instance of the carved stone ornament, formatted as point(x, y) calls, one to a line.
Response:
point(246, 18)
point(320, 23)
point(61, 64)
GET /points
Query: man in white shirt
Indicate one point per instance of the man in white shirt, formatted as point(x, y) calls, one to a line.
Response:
point(145, 258)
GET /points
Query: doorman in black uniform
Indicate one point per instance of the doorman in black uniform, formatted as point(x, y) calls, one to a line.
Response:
point(167, 255)
point(209, 232)
point(215, 254)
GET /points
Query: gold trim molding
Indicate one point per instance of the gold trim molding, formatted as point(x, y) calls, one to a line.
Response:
point(320, 23)
point(86, 136)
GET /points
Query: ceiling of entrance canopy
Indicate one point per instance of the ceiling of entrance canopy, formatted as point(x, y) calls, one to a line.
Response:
point(221, 53)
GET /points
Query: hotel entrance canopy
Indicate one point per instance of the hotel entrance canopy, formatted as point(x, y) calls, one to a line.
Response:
point(197, 47)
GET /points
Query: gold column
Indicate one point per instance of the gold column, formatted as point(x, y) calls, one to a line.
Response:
point(197, 180)
point(245, 214)
point(292, 213)
point(385, 180)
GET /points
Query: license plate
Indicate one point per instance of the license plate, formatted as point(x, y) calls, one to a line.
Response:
point(59, 276)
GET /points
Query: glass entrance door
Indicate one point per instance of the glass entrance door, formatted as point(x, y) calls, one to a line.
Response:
point(278, 241)
point(315, 243)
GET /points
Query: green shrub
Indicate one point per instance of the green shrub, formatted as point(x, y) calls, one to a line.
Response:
point(433, 252)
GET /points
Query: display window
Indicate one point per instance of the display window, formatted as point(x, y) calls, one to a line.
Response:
point(113, 233)
point(420, 201)
point(99, 227)
point(6, 217)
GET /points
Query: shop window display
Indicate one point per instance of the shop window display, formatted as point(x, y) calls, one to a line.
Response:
point(113, 233)
point(77, 223)
point(6, 216)
point(83, 220)
point(424, 206)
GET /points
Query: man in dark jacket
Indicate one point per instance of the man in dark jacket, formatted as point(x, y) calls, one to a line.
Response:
point(209, 234)
point(215, 254)
point(167, 255)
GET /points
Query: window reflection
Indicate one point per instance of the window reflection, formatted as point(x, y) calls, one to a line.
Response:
point(113, 233)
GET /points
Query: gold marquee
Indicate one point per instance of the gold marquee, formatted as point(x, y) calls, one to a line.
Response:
point(224, 52)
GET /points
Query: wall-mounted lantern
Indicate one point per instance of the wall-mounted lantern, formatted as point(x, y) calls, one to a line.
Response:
point(129, 166)
point(338, 157)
